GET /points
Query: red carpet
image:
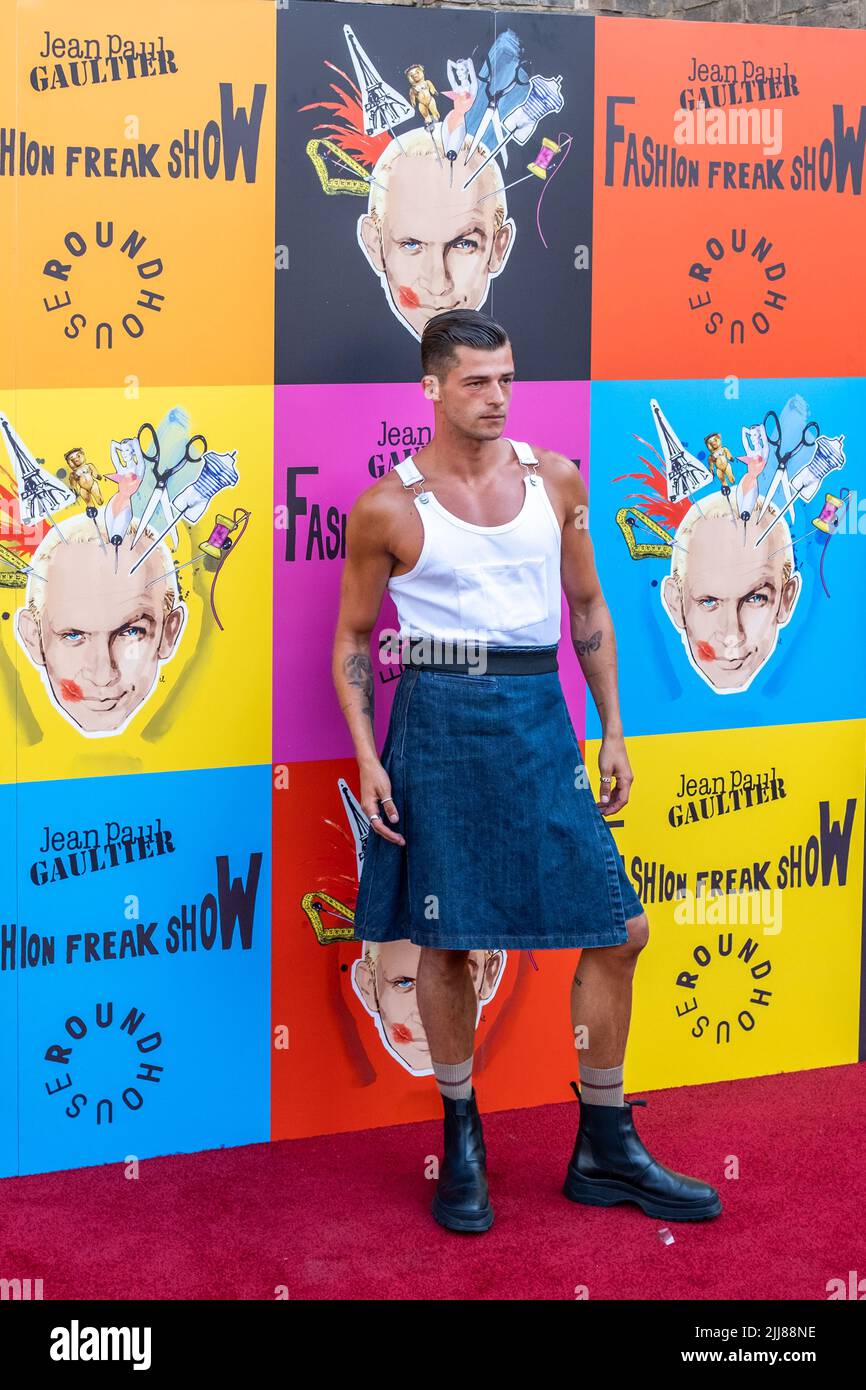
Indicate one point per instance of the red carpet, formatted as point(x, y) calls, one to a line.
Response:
point(347, 1216)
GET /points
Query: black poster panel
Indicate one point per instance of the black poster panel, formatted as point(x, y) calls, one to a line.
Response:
point(545, 298)
point(428, 160)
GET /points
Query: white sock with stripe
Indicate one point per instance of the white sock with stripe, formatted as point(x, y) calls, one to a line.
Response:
point(454, 1079)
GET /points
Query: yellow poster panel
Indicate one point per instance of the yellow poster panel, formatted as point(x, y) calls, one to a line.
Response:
point(140, 154)
point(135, 580)
point(746, 849)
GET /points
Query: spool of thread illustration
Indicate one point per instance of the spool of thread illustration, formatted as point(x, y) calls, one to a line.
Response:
point(828, 519)
point(220, 537)
point(542, 161)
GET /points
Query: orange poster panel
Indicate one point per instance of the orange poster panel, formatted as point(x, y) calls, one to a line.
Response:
point(729, 212)
point(138, 154)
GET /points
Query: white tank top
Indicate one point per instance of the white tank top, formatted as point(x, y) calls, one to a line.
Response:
point(498, 585)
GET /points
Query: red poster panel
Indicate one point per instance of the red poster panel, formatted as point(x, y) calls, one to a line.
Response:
point(349, 1045)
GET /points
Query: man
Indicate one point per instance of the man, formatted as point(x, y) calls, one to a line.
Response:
point(484, 836)
point(97, 633)
point(433, 243)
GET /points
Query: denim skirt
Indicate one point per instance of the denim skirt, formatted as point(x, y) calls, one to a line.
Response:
point(505, 845)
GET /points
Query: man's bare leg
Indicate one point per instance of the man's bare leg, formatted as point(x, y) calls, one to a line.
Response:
point(610, 1164)
point(447, 1003)
point(601, 995)
point(448, 1007)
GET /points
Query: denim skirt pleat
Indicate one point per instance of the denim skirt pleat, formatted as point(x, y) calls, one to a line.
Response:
point(505, 845)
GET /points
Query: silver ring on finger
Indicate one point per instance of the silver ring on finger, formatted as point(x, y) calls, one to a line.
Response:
point(375, 817)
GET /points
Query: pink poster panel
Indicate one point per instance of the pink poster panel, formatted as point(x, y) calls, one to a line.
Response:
point(332, 442)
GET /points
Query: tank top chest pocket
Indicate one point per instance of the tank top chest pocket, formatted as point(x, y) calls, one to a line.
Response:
point(502, 596)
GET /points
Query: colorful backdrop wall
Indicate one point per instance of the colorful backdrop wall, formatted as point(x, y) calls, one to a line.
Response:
point(225, 224)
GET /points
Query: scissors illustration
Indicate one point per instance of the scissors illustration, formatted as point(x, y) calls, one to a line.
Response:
point(773, 430)
point(520, 78)
point(194, 451)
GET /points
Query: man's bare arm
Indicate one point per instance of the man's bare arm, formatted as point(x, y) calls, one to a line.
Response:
point(364, 579)
point(591, 631)
point(591, 624)
point(365, 576)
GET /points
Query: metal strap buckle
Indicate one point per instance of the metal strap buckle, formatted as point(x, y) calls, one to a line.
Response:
point(415, 486)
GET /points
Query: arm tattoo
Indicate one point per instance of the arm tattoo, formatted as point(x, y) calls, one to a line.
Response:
point(591, 645)
point(359, 672)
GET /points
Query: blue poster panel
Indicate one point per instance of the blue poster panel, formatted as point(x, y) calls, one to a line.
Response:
point(729, 536)
point(141, 954)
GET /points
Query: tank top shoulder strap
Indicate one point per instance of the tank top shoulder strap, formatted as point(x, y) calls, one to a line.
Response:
point(408, 472)
point(525, 454)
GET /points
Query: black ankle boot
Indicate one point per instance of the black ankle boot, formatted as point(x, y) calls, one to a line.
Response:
point(461, 1202)
point(610, 1165)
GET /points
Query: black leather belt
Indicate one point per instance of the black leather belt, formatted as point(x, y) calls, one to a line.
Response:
point(490, 661)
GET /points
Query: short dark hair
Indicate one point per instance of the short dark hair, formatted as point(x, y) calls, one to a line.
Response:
point(444, 333)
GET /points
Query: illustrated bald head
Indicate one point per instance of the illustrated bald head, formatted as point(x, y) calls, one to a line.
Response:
point(96, 630)
point(435, 244)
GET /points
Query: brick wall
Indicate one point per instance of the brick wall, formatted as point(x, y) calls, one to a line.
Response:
point(830, 13)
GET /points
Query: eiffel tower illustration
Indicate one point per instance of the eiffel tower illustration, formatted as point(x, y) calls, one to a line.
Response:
point(358, 822)
point(383, 107)
point(38, 493)
point(685, 473)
